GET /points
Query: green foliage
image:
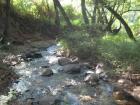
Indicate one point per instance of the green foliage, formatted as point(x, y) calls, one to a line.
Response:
point(80, 44)
point(24, 6)
point(70, 11)
point(37, 9)
point(120, 51)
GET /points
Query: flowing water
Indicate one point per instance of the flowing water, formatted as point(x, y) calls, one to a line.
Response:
point(66, 89)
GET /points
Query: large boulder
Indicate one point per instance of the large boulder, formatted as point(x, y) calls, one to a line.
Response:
point(72, 68)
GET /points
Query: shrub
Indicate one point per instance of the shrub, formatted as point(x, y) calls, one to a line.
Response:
point(80, 44)
point(117, 50)
point(120, 51)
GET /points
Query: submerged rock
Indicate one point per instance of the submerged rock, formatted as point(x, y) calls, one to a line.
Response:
point(47, 100)
point(47, 72)
point(72, 68)
point(71, 99)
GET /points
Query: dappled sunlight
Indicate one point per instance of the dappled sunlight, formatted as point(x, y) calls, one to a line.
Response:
point(117, 38)
point(72, 82)
point(74, 3)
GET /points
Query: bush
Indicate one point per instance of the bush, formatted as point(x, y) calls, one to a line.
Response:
point(80, 44)
point(120, 51)
point(117, 50)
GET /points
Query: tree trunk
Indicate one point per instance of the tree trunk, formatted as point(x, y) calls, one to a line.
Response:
point(127, 28)
point(57, 18)
point(100, 18)
point(95, 11)
point(83, 8)
point(49, 11)
point(6, 30)
point(63, 13)
point(108, 28)
point(104, 16)
point(1, 8)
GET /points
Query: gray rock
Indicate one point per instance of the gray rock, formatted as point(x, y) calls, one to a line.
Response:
point(72, 68)
point(47, 100)
point(31, 55)
point(47, 72)
point(64, 61)
point(92, 79)
point(103, 76)
point(86, 65)
point(74, 60)
point(87, 72)
point(71, 99)
point(99, 68)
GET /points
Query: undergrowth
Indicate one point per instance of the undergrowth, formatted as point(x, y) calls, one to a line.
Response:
point(80, 44)
point(118, 50)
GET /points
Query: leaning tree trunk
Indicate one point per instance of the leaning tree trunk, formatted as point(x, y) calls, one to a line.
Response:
point(83, 8)
point(57, 18)
point(63, 13)
point(127, 28)
point(109, 24)
point(6, 29)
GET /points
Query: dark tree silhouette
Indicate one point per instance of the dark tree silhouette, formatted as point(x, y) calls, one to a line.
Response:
point(95, 11)
point(6, 29)
point(83, 7)
point(127, 28)
point(57, 18)
point(57, 3)
point(119, 17)
point(116, 31)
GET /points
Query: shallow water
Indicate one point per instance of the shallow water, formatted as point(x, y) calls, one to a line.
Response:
point(68, 87)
